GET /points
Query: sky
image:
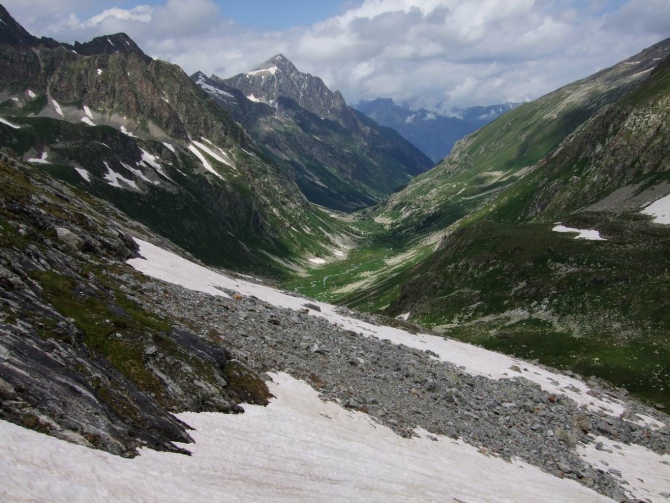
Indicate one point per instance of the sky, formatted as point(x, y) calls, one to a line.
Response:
point(437, 54)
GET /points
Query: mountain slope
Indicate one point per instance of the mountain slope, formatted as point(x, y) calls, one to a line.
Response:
point(507, 149)
point(141, 134)
point(339, 157)
point(510, 282)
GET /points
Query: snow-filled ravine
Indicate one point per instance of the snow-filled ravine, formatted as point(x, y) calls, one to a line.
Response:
point(298, 448)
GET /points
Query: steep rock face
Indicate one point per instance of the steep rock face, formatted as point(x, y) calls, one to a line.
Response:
point(172, 158)
point(108, 44)
point(81, 359)
point(12, 33)
point(278, 77)
point(340, 158)
point(626, 145)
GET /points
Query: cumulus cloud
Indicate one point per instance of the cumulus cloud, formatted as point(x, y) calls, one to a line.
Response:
point(436, 54)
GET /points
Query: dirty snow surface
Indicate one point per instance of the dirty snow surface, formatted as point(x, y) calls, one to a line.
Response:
point(296, 449)
point(161, 264)
point(660, 210)
point(589, 235)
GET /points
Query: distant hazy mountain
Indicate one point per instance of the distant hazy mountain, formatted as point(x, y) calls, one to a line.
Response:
point(434, 134)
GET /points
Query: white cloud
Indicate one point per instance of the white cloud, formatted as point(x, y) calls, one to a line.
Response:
point(141, 13)
point(430, 53)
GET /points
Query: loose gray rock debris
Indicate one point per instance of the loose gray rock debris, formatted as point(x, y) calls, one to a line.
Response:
point(403, 387)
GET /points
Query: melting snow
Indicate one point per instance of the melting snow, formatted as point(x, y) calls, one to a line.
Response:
point(84, 174)
point(646, 472)
point(272, 70)
point(223, 158)
point(211, 89)
point(660, 210)
point(138, 173)
point(57, 107)
point(149, 159)
point(7, 123)
point(40, 160)
point(31, 94)
point(203, 160)
point(403, 317)
point(170, 147)
point(298, 448)
point(126, 132)
point(589, 235)
point(317, 260)
point(87, 111)
point(167, 266)
point(113, 178)
point(88, 121)
point(253, 98)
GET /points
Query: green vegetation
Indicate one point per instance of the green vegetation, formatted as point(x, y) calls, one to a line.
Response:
point(110, 324)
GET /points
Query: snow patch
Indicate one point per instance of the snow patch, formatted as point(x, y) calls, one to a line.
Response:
point(110, 42)
point(272, 70)
point(99, 71)
point(88, 121)
point(31, 94)
point(7, 123)
point(253, 98)
point(138, 173)
point(84, 174)
point(403, 317)
point(42, 159)
point(87, 111)
point(57, 107)
point(223, 158)
point(211, 89)
point(113, 179)
point(298, 448)
point(660, 210)
point(126, 132)
point(170, 147)
point(338, 253)
point(317, 260)
point(203, 160)
point(589, 235)
point(646, 472)
point(149, 159)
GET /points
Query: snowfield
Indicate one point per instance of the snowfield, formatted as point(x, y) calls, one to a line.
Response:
point(300, 448)
point(296, 449)
point(589, 235)
point(660, 210)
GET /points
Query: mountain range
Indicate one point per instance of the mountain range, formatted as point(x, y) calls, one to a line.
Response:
point(173, 245)
point(338, 157)
point(433, 133)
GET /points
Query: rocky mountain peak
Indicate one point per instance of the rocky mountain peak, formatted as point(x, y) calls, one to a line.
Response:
point(279, 78)
point(12, 33)
point(108, 44)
